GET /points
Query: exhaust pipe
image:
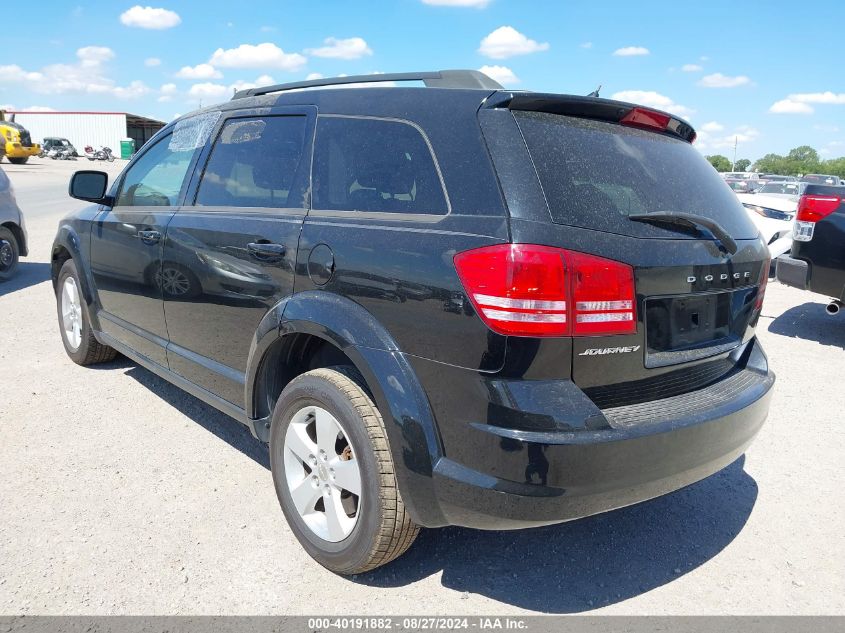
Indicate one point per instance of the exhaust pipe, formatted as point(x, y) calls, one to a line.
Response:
point(833, 307)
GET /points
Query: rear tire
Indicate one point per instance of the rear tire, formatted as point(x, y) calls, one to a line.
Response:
point(376, 527)
point(9, 253)
point(18, 161)
point(74, 325)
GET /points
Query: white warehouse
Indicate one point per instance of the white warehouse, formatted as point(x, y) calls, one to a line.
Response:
point(88, 128)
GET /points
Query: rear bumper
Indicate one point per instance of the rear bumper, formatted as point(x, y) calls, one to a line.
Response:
point(793, 272)
point(539, 478)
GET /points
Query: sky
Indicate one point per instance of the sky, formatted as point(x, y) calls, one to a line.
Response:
point(767, 75)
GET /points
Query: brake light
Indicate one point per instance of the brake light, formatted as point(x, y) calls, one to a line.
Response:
point(811, 209)
point(815, 208)
point(642, 117)
point(532, 290)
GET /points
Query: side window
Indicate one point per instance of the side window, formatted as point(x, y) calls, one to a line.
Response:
point(374, 165)
point(156, 179)
point(254, 164)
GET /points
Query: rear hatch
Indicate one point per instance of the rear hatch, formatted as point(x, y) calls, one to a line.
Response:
point(625, 184)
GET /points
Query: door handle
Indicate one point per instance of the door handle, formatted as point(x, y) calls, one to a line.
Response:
point(149, 237)
point(265, 251)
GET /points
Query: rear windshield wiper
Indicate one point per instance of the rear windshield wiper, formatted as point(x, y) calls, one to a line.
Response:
point(689, 219)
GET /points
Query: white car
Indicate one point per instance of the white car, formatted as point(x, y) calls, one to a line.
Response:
point(773, 215)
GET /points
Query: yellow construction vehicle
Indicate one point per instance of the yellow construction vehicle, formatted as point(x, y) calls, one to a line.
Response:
point(16, 141)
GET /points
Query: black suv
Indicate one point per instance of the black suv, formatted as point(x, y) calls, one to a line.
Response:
point(445, 304)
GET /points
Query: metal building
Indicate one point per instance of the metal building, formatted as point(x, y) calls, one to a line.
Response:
point(88, 128)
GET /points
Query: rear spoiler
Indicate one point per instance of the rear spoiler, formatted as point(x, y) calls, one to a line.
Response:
point(594, 108)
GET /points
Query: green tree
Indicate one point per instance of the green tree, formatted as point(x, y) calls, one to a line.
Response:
point(742, 164)
point(772, 164)
point(719, 162)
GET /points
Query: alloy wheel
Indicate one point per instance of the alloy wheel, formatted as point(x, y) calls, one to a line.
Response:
point(71, 313)
point(322, 473)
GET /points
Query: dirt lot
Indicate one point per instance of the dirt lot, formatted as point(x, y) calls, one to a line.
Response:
point(119, 494)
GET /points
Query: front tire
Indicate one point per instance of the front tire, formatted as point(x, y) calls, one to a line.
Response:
point(18, 161)
point(9, 254)
point(334, 474)
point(74, 326)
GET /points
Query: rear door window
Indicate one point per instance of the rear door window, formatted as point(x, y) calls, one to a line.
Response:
point(376, 165)
point(595, 174)
point(254, 163)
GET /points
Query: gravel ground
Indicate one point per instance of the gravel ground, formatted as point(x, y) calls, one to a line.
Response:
point(120, 494)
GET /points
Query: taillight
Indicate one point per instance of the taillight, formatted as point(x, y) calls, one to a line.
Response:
point(815, 208)
point(811, 209)
point(532, 290)
point(642, 117)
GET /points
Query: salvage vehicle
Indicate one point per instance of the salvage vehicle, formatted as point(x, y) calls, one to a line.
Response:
point(17, 141)
point(817, 258)
point(773, 214)
point(455, 304)
point(13, 237)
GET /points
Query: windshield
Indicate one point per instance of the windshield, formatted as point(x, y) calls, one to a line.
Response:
point(790, 188)
point(820, 179)
point(595, 174)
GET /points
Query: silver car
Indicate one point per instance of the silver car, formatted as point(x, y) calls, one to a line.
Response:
point(13, 238)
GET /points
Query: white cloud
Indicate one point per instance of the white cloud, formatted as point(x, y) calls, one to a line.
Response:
point(91, 56)
point(349, 48)
point(16, 73)
point(788, 106)
point(268, 29)
point(692, 68)
point(85, 77)
point(654, 100)
point(134, 90)
point(827, 128)
point(708, 140)
point(150, 62)
point(150, 18)
point(263, 80)
point(311, 76)
point(38, 108)
point(631, 51)
point(200, 71)
point(478, 4)
point(208, 90)
point(167, 89)
point(713, 126)
point(7, 106)
point(798, 103)
point(502, 74)
point(718, 80)
point(506, 42)
point(264, 55)
point(586, 45)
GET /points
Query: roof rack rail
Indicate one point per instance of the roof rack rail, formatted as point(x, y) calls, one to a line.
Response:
point(431, 79)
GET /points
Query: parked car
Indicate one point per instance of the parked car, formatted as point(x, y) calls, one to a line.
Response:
point(777, 178)
point(773, 215)
point(13, 237)
point(740, 175)
point(742, 185)
point(817, 260)
point(484, 308)
point(60, 144)
point(783, 189)
point(821, 179)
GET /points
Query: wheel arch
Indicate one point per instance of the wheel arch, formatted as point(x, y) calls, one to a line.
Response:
point(319, 329)
point(20, 238)
point(68, 245)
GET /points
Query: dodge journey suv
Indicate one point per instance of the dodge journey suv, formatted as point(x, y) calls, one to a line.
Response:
point(446, 304)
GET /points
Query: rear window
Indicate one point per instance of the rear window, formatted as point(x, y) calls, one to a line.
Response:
point(595, 174)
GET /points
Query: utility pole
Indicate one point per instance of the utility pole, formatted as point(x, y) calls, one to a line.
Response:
point(733, 164)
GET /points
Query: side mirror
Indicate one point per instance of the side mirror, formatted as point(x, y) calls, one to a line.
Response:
point(89, 186)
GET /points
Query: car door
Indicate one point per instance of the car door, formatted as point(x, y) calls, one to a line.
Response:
point(126, 242)
point(229, 253)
